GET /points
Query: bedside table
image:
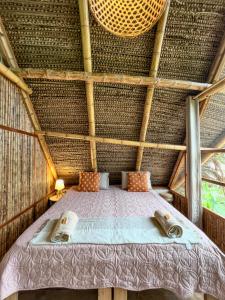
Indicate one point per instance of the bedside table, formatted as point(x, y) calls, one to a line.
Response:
point(53, 199)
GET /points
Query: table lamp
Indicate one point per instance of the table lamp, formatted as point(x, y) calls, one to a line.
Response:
point(59, 186)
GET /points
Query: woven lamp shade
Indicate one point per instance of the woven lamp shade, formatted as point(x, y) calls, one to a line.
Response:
point(127, 18)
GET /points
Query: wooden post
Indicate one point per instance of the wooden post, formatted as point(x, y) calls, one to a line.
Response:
point(86, 46)
point(193, 162)
point(105, 294)
point(120, 294)
point(150, 90)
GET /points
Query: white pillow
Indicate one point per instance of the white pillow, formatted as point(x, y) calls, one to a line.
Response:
point(104, 181)
point(125, 180)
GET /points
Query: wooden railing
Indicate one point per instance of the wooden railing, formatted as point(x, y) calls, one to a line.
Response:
point(213, 224)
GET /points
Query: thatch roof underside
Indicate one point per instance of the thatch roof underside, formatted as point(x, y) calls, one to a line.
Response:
point(46, 34)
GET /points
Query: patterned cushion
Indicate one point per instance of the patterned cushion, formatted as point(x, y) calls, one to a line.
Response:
point(125, 179)
point(89, 182)
point(138, 182)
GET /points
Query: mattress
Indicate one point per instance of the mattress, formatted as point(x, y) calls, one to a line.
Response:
point(129, 266)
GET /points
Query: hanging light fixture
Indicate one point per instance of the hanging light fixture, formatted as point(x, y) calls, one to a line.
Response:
point(127, 18)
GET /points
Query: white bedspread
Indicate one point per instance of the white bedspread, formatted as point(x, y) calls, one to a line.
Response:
point(129, 266)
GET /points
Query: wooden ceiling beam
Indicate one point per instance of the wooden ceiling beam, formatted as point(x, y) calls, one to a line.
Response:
point(86, 47)
point(150, 90)
point(6, 48)
point(96, 139)
point(214, 75)
point(111, 78)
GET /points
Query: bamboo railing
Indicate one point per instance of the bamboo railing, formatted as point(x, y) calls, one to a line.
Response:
point(213, 224)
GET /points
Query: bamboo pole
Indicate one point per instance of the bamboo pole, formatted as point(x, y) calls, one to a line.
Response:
point(86, 46)
point(7, 49)
point(215, 88)
point(74, 136)
point(111, 78)
point(6, 72)
point(214, 75)
point(150, 90)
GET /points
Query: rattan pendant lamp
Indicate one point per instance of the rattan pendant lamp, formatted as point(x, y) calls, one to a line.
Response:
point(127, 18)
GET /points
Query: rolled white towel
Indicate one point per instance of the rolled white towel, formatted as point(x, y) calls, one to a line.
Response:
point(169, 224)
point(64, 227)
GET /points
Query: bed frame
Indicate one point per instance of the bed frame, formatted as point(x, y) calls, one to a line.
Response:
point(121, 294)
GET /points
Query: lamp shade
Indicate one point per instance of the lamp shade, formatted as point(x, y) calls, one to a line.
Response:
point(59, 185)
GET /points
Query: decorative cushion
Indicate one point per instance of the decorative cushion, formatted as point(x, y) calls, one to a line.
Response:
point(89, 182)
point(138, 182)
point(104, 181)
point(125, 179)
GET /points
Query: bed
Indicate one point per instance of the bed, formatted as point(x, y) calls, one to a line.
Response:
point(129, 266)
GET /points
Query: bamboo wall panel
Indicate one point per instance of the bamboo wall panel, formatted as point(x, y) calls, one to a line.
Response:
point(214, 227)
point(213, 224)
point(24, 173)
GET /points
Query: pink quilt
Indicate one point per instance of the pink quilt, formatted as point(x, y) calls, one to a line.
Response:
point(130, 266)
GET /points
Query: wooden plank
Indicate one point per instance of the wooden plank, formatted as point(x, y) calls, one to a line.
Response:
point(120, 294)
point(13, 297)
point(86, 47)
point(6, 72)
point(105, 294)
point(150, 90)
point(65, 75)
point(193, 162)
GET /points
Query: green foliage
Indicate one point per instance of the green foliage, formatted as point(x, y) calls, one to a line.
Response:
point(213, 197)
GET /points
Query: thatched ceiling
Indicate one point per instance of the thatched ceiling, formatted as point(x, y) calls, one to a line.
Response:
point(46, 34)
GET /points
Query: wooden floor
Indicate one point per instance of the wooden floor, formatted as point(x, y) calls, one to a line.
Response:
point(62, 294)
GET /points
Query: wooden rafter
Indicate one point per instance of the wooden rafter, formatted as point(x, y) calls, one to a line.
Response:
point(12, 62)
point(153, 73)
point(112, 78)
point(86, 47)
point(73, 136)
point(214, 75)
